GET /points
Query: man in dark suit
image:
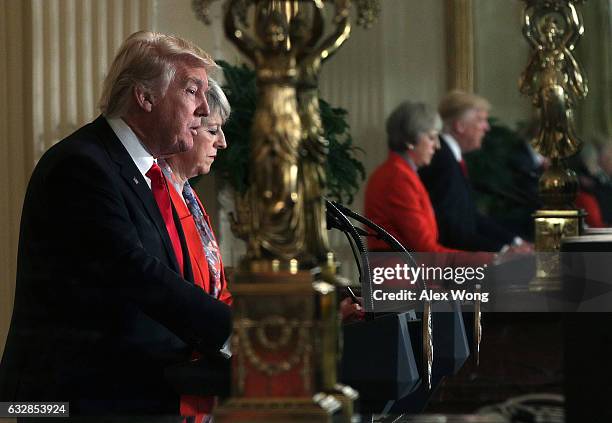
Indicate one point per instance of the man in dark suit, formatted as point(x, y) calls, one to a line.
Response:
point(460, 223)
point(104, 302)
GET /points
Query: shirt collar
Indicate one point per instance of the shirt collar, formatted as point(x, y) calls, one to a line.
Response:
point(453, 145)
point(178, 185)
point(141, 157)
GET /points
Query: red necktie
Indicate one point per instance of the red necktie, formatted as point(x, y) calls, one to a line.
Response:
point(162, 197)
point(464, 168)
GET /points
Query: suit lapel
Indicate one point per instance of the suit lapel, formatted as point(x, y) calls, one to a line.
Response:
point(132, 176)
point(178, 215)
point(458, 172)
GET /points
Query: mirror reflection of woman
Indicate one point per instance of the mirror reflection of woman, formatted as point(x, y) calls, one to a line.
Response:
point(395, 198)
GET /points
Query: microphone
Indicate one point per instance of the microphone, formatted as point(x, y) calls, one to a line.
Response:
point(338, 214)
point(336, 219)
point(334, 223)
point(380, 232)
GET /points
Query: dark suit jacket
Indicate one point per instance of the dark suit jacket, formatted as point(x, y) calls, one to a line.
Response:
point(100, 309)
point(460, 224)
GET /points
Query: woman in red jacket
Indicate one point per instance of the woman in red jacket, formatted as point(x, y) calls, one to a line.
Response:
point(203, 249)
point(204, 254)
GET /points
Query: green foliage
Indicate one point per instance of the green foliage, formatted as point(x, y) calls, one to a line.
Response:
point(344, 171)
point(233, 162)
point(493, 171)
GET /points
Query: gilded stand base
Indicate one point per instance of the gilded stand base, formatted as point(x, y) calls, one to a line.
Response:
point(550, 227)
point(259, 269)
point(285, 351)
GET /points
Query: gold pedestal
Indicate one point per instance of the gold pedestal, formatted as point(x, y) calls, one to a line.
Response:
point(285, 349)
point(550, 227)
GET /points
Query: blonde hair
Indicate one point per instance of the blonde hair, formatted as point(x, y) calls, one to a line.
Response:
point(457, 103)
point(147, 59)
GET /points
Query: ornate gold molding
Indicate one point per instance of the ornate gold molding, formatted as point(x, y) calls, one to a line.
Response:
point(459, 44)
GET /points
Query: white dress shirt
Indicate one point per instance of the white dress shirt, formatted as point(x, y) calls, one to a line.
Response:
point(139, 154)
point(452, 143)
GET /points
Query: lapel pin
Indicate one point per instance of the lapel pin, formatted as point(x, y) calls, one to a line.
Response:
point(135, 180)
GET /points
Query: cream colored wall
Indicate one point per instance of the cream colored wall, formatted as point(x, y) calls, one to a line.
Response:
point(177, 17)
point(401, 57)
point(500, 55)
point(15, 154)
point(594, 53)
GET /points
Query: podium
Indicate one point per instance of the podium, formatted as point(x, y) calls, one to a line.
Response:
point(382, 358)
point(587, 339)
point(451, 349)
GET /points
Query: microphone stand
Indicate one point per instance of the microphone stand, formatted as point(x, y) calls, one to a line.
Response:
point(340, 221)
point(337, 219)
point(382, 234)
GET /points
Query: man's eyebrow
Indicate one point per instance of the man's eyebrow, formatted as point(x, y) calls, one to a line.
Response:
point(192, 80)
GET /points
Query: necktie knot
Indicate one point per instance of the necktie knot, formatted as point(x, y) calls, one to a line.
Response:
point(155, 173)
point(464, 168)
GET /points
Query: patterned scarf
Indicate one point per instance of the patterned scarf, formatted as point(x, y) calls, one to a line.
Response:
point(210, 246)
point(211, 249)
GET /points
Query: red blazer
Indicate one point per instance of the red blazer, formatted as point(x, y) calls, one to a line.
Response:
point(197, 257)
point(588, 202)
point(397, 200)
point(193, 405)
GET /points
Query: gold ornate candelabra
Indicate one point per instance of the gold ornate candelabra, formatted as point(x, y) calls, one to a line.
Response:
point(286, 327)
point(282, 217)
point(555, 81)
point(276, 226)
point(313, 150)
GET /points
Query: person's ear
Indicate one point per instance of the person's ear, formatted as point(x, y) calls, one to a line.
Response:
point(459, 126)
point(144, 98)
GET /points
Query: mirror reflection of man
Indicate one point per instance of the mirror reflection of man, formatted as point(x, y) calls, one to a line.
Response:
point(105, 300)
point(460, 223)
